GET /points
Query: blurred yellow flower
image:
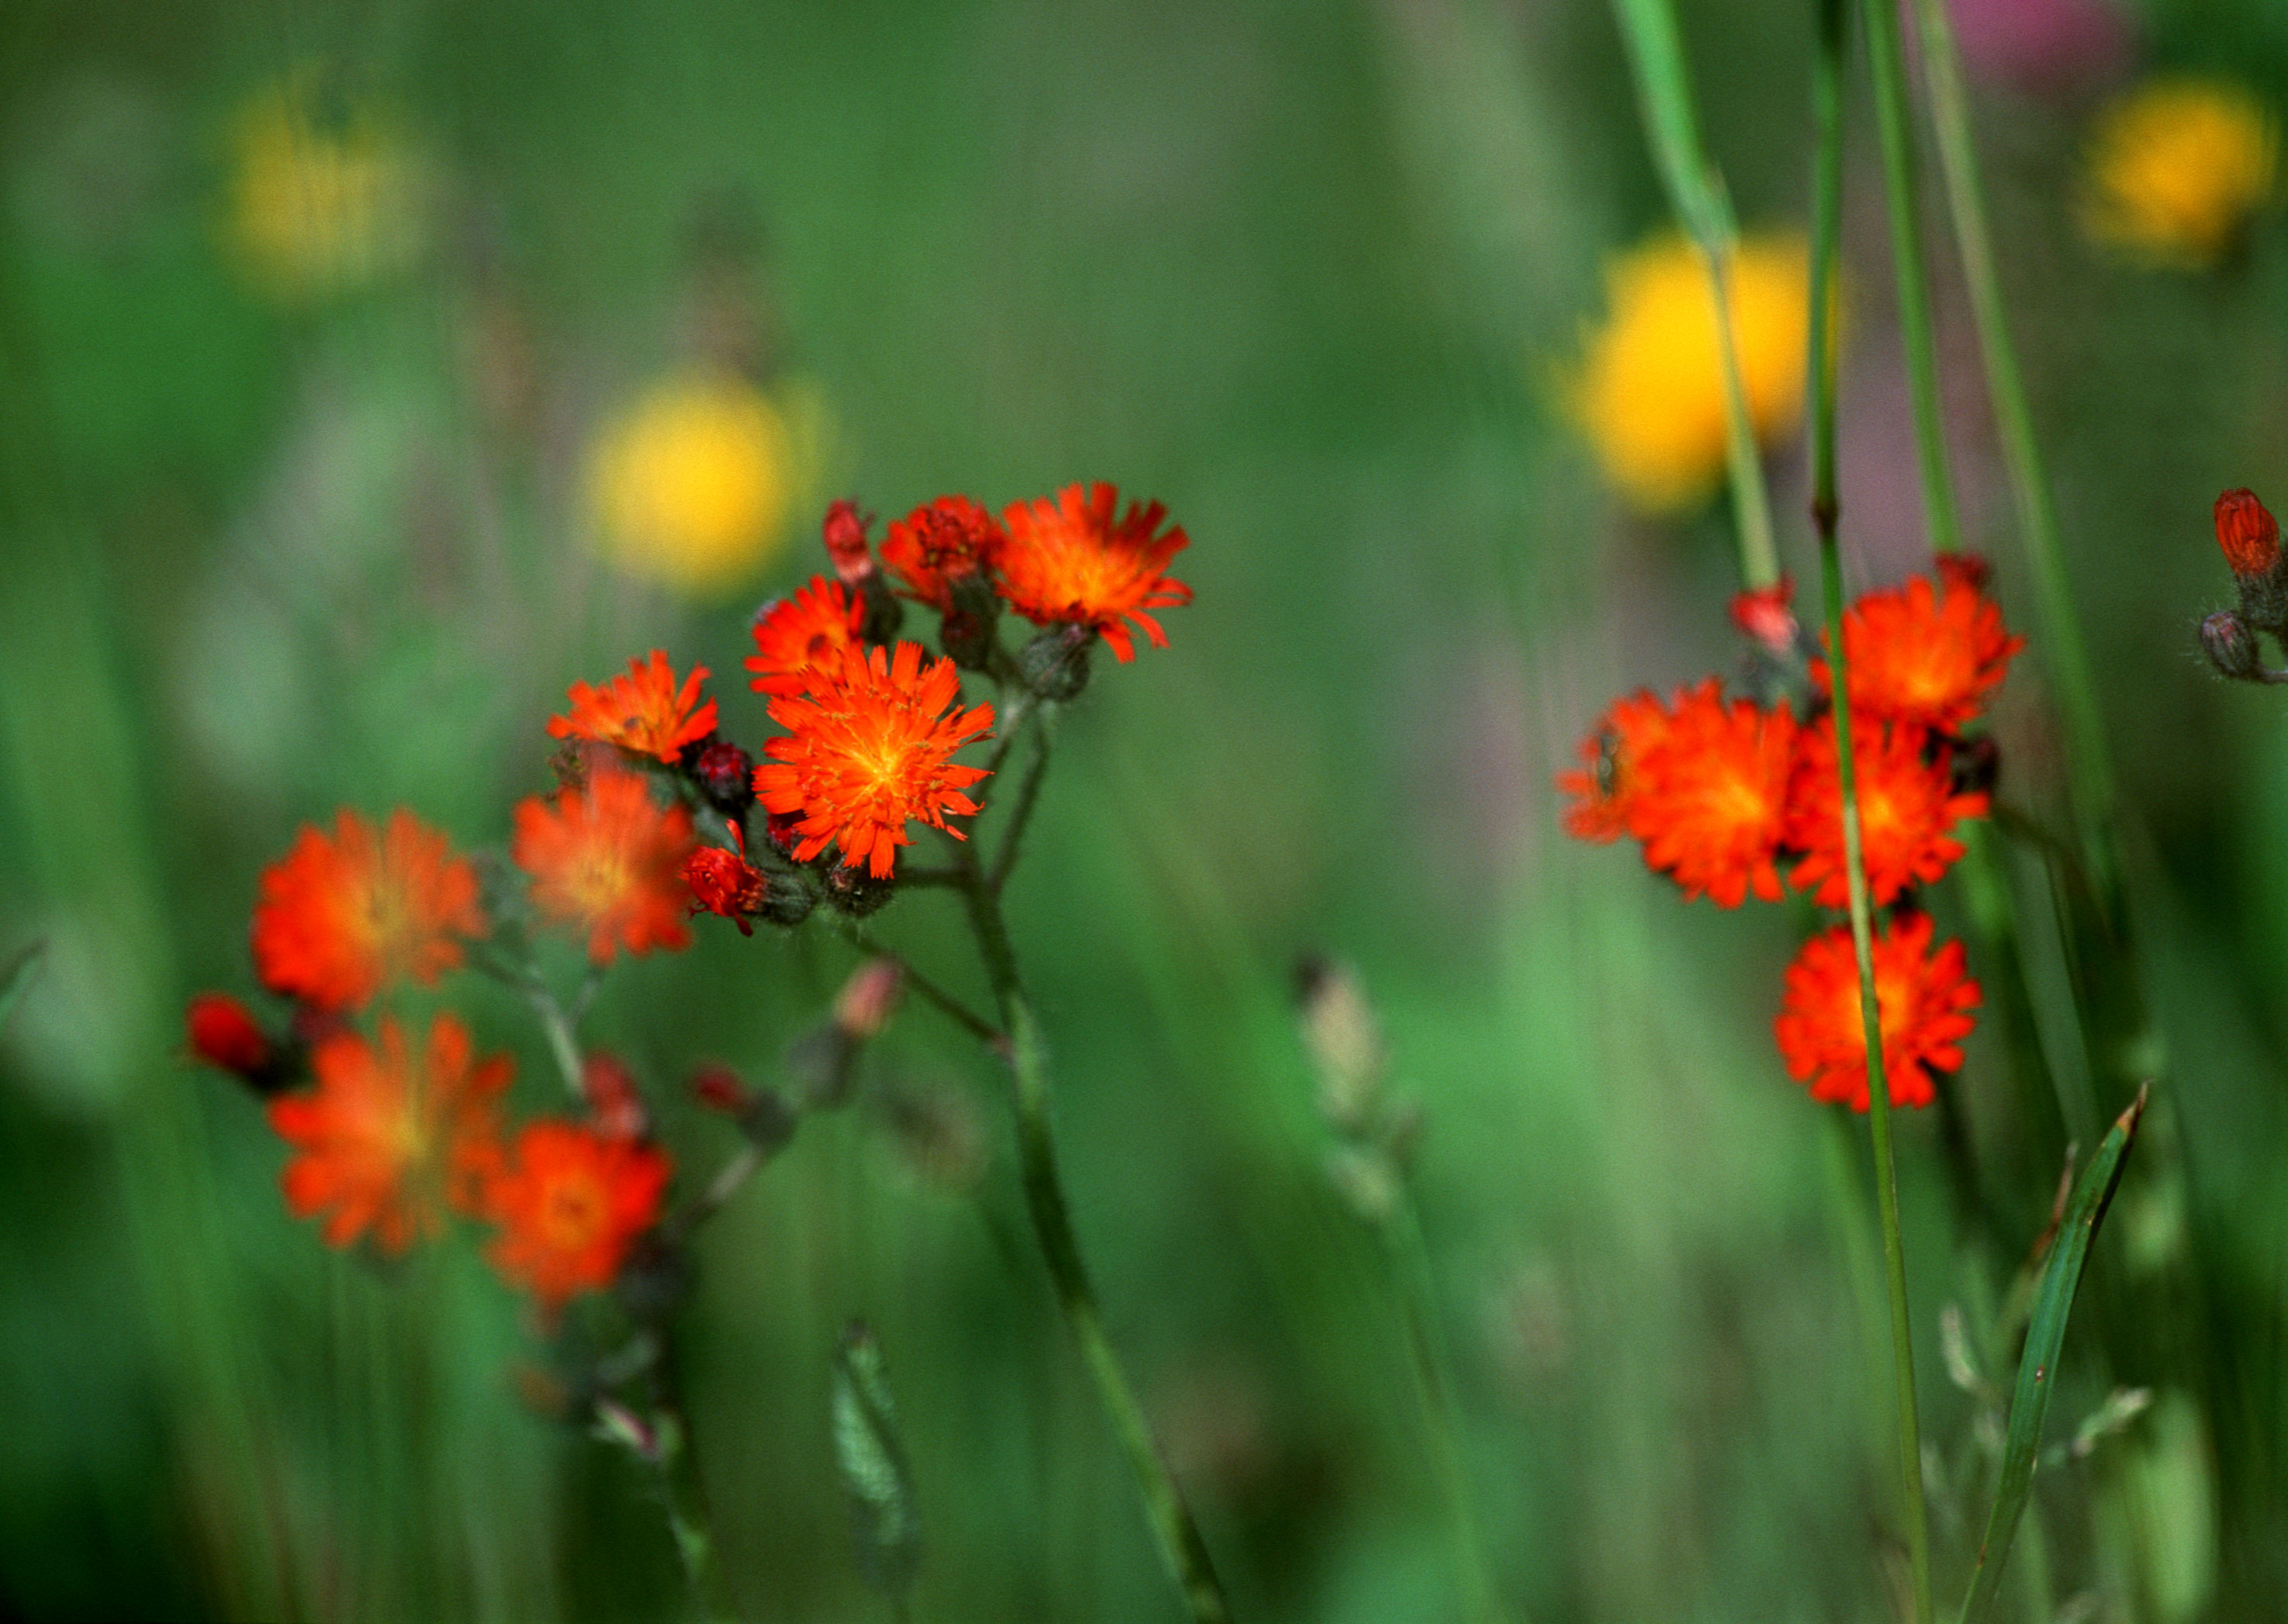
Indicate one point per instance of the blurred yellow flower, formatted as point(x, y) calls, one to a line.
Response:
point(322, 199)
point(1649, 394)
point(694, 485)
point(2177, 168)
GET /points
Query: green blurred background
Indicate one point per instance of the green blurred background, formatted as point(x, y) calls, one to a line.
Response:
point(1309, 274)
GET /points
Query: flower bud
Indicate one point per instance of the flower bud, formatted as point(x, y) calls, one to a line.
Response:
point(614, 1106)
point(868, 998)
point(973, 612)
point(1055, 665)
point(847, 544)
point(2231, 647)
point(223, 1033)
point(724, 882)
point(787, 900)
point(2248, 532)
point(716, 1087)
point(1763, 614)
point(853, 891)
point(1970, 569)
point(1345, 1041)
point(724, 772)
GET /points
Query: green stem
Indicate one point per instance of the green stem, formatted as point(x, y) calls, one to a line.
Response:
point(1886, 52)
point(2064, 649)
point(1433, 1380)
point(1826, 216)
point(1029, 795)
point(1181, 1548)
point(561, 1041)
point(1697, 193)
point(958, 1012)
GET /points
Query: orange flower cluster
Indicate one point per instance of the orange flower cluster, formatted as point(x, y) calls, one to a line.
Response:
point(1725, 793)
point(344, 917)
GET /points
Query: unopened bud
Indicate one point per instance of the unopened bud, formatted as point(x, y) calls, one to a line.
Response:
point(724, 774)
point(868, 998)
point(1345, 1043)
point(614, 1104)
point(937, 1129)
point(1055, 665)
point(973, 611)
point(223, 1033)
point(1763, 614)
point(822, 1063)
point(724, 882)
point(853, 891)
point(1966, 569)
point(847, 544)
point(1975, 765)
point(787, 900)
point(884, 612)
point(716, 1087)
point(2231, 647)
point(2248, 532)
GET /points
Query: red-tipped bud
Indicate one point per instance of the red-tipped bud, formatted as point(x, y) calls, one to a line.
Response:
point(2248, 532)
point(725, 774)
point(2231, 647)
point(847, 543)
point(224, 1034)
point(614, 1106)
point(724, 882)
point(1763, 613)
point(869, 999)
point(1967, 569)
point(716, 1087)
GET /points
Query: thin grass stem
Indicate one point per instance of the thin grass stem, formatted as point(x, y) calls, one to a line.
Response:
point(1826, 217)
point(1697, 193)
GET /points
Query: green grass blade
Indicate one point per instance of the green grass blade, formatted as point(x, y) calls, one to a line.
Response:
point(17, 977)
point(2044, 1333)
point(872, 1459)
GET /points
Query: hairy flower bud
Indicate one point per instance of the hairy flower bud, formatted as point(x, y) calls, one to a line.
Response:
point(724, 772)
point(2231, 647)
point(2248, 532)
point(614, 1106)
point(1763, 614)
point(1055, 665)
point(223, 1033)
point(870, 998)
point(845, 541)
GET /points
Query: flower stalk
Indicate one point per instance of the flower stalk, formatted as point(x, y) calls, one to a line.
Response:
point(1826, 514)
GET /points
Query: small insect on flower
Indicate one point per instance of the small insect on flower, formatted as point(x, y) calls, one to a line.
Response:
point(1924, 999)
point(1649, 391)
point(801, 637)
point(1926, 654)
point(387, 1139)
point(693, 487)
point(1604, 788)
point(2177, 169)
point(1908, 808)
point(643, 712)
point(571, 1203)
point(607, 860)
point(341, 917)
point(941, 543)
point(1070, 562)
point(1709, 802)
point(869, 749)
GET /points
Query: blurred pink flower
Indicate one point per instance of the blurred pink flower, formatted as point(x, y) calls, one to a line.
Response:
point(2041, 45)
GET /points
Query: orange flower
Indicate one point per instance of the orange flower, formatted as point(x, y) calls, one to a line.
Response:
point(607, 859)
point(387, 1140)
point(1613, 758)
point(1907, 808)
point(1923, 999)
point(868, 749)
point(797, 636)
point(1709, 799)
point(1067, 562)
point(941, 543)
point(570, 1202)
point(643, 712)
point(1925, 654)
point(341, 918)
point(722, 880)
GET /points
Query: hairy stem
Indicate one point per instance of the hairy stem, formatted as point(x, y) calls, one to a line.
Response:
point(1029, 795)
point(1181, 1548)
point(1826, 216)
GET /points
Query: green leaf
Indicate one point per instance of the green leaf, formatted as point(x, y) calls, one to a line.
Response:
point(17, 976)
point(873, 1466)
point(2038, 1369)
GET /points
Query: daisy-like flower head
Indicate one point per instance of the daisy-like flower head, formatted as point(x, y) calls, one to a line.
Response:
point(1908, 808)
point(570, 1202)
point(389, 1138)
point(1070, 562)
point(1605, 785)
point(868, 749)
point(607, 860)
point(941, 543)
point(340, 918)
point(1924, 999)
point(1711, 799)
point(643, 712)
point(799, 637)
point(1923, 653)
point(1650, 391)
point(2178, 168)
